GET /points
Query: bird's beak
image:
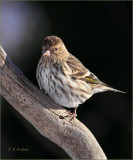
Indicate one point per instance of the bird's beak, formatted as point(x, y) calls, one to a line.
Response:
point(46, 53)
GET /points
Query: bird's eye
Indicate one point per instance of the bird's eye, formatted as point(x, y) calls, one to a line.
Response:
point(56, 49)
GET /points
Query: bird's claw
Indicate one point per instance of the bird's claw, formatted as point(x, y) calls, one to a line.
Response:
point(71, 115)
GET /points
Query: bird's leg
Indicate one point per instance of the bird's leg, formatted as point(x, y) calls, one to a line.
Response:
point(74, 112)
point(74, 115)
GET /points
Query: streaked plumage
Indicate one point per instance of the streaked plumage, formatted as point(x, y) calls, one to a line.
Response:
point(63, 76)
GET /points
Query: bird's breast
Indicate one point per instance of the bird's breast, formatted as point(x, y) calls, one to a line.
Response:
point(62, 88)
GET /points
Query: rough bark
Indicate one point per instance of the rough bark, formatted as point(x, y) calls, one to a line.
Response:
point(45, 115)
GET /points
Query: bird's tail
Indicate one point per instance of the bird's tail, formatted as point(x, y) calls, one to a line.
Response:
point(104, 87)
point(107, 88)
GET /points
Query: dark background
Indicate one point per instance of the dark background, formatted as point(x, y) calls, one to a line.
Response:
point(97, 33)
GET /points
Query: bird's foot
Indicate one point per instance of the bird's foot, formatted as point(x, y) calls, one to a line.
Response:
point(71, 115)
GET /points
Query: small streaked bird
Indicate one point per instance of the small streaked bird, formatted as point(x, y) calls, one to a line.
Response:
point(64, 78)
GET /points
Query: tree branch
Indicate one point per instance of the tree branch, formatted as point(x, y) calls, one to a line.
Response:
point(45, 115)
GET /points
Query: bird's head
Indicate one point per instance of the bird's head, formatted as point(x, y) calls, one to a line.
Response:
point(54, 48)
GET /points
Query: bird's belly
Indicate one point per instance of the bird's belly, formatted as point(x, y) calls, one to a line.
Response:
point(63, 90)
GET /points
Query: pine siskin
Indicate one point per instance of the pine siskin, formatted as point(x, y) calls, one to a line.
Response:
point(64, 78)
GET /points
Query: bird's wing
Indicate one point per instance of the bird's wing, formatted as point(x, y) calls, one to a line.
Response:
point(80, 72)
point(91, 79)
point(76, 67)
